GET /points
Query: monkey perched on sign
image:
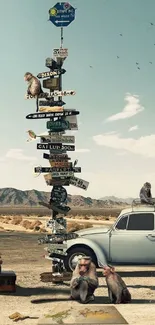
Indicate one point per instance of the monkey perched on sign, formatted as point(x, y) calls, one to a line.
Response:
point(34, 86)
point(84, 280)
point(117, 289)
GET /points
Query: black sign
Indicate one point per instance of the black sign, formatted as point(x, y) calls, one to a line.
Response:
point(51, 103)
point(52, 114)
point(57, 146)
point(58, 194)
point(56, 157)
point(55, 72)
point(58, 181)
point(57, 169)
point(48, 146)
point(50, 63)
point(51, 83)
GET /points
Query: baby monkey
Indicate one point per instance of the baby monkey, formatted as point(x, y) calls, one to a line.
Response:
point(117, 289)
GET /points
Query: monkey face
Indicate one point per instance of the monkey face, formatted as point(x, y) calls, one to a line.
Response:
point(107, 270)
point(27, 76)
point(83, 266)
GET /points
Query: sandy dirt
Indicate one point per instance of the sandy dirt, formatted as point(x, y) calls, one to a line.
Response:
point(22, 254)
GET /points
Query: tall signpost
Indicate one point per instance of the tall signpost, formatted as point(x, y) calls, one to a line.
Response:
point(60, 173)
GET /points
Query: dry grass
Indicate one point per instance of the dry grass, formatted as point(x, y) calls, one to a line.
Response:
point(16, 220)
point(74, 226)
point(38, 211)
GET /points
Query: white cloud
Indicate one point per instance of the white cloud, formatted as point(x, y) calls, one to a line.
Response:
point(18, 155)
point(133, 107)
point(133, 128)
point(144, 145)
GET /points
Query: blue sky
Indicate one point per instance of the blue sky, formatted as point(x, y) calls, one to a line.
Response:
point(116, 160)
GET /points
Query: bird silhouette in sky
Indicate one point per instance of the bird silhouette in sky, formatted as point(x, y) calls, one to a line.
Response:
point(90, 66)
point(121, 34)
point(137, 63)
point(138, 68)
point(117, 57)
point(150, 62)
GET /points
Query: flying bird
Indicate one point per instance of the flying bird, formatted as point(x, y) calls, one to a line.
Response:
point(150, 62)
point(90, 66)
point(138, 68)
point(121, 34)
point(117, 57)
point(137, 63)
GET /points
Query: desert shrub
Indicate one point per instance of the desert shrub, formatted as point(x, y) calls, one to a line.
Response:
point(16, 220)
point(74, 226)
point(43, 230)
point(36, 228)
point(26, 224)
point(35, 224)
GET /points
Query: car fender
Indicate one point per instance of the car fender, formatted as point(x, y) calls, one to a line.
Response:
point(99, 253)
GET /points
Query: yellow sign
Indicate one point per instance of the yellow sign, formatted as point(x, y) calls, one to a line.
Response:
point(53, 12)
point(59, 163)
point(51, 109)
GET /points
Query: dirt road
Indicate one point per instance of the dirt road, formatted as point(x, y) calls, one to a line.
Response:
point(22, 254)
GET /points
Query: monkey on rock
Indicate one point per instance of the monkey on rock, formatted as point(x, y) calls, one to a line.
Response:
point(117, 289)
point(84, 280)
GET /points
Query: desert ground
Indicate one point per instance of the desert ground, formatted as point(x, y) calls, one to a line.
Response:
point(22, 254)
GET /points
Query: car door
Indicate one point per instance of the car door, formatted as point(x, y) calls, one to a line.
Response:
point(132, 241)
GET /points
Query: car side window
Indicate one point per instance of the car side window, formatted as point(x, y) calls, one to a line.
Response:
point(141, 221)
point(122, 223)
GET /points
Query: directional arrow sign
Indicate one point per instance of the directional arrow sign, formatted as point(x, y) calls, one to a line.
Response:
point(62, 14)
point(58, 139)
point(51, 103)
point(60, 163)
point(57, 146)
point(56, 157)
point(54, 73)
point(55, 93)
point(57, 169)
point(52, 114)
point(78, 182)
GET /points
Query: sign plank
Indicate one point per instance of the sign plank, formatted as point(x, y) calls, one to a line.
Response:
point(57, 169)
point(62, 181)
point(60, 157)
point(78, 182)
point(54, 93)
point(57, 146)
point(51, 103)
point(54, 139)
point(54, 73)
point(60, 53)
point(59, 113)
point(60, 163)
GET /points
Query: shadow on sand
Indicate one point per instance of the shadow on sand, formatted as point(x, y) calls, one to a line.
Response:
point(65, 295)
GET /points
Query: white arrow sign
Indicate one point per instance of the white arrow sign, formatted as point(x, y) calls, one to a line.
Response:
point(62, 21)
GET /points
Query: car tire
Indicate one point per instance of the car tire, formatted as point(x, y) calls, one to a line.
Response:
point(75, 252)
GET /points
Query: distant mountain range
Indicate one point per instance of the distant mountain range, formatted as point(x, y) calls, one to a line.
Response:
point(30, 198)
point(127, 200)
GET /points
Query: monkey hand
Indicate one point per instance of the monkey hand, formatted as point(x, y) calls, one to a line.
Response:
point(85, 278)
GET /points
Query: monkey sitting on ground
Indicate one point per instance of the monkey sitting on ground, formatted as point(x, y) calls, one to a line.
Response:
point(84, 280)
point(117, 289)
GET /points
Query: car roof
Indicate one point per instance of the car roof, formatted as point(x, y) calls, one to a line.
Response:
point(138, 208)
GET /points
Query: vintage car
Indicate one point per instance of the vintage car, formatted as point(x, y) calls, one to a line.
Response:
point(130, 240)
